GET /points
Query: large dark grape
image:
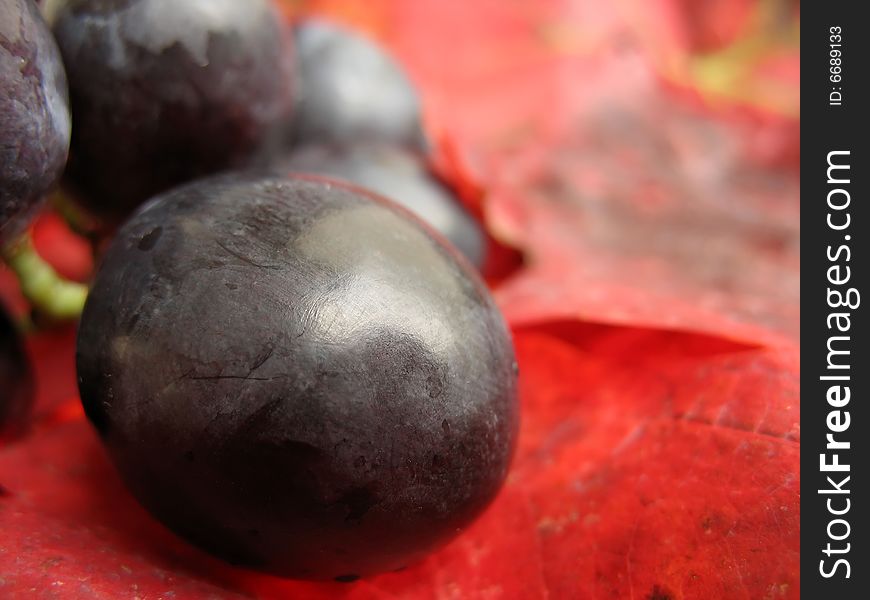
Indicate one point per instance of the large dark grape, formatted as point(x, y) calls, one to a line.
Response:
point(297, 376)
point(16, 380)
point(165, 90)
point(351, 90)
point(400, 176)
point(34, 114)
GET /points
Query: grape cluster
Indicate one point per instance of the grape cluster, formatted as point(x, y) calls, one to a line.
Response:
point(286, 350)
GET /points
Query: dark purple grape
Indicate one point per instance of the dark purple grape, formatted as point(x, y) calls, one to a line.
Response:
point(34, 114)
point(399, 175)
point(297, 376)
point(16, 380)
point(166, 90)
point(351, 90)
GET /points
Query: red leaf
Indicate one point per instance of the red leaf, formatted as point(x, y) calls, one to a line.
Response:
point(674, 475)
point(656, 324)
point(648, 460)
point(632, 202)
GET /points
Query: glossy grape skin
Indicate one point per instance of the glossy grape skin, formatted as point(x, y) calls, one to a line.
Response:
point(396, 174)
point(16, 380)
point(297, 376)
point(351, 90)
point(34, 115)
point(163, 91)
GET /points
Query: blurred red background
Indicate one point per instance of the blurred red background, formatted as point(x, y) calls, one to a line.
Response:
point(643, 158)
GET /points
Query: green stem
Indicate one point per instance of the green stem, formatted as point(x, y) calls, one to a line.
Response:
point(48, 293)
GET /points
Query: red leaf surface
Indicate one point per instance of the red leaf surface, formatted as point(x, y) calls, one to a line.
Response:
point(655, 319)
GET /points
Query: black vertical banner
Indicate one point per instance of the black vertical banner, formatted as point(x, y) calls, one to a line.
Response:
point(835, 364)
